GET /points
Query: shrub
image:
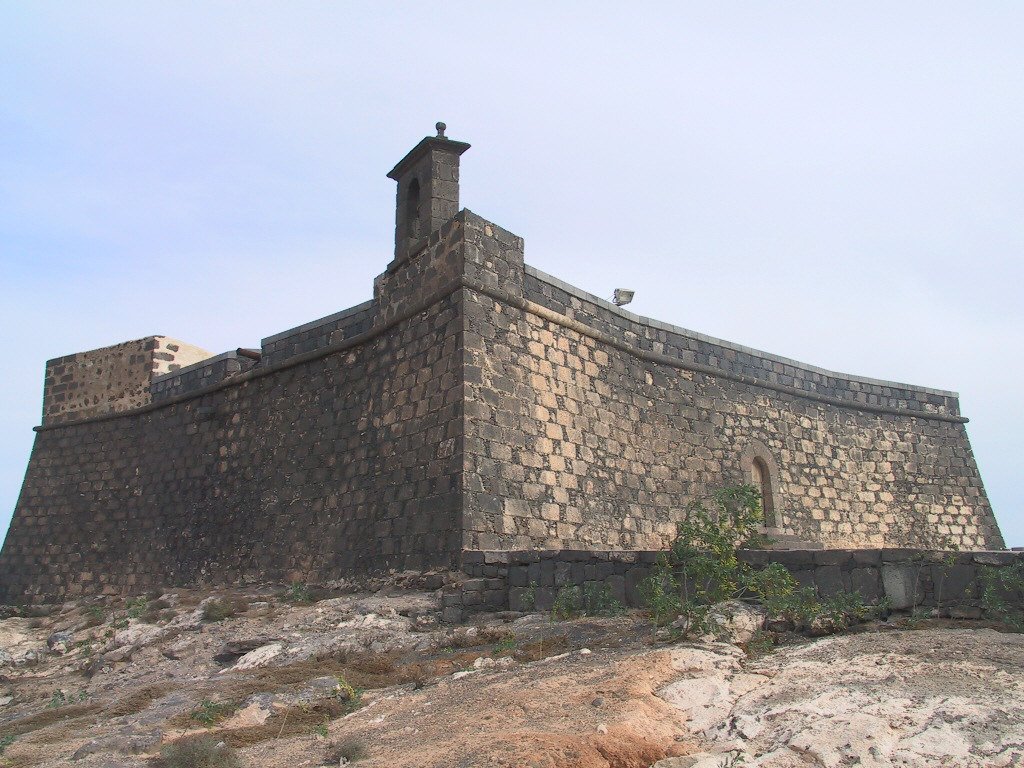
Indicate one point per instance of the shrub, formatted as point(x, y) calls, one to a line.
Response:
point(5, 742)
point(348, 750)
point(94, 616)
point(1000, 588)
point(298, 594)
point(198, 752)
point(350, 697)
point(702, 568)
point(135, 607)
point(211, 712)
point(220, 609)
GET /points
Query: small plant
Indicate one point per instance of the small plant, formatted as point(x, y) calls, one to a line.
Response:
point(321, 730)
point(94, 616)
point(568, 603)
point(761, 644)
point(220, 609)
point(211, 712)
point(505, 645)
point(592, 599)
point(5, 742)
point(660, 592)
point(119, 624)
point(346, 751)
point(59, 698)
point(997, 584)
point(350, 697)
point(298, 594)
point(135, 607)
point(198, 752)
point(529, 597)
point(156, 610)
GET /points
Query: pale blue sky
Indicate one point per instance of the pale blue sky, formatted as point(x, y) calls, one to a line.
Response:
point(838, 183)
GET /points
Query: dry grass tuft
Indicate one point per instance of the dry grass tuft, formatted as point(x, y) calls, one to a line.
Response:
point(350, 750)
point(197, 752)
point(65, 715)
point(293, 721)
point(137, 701)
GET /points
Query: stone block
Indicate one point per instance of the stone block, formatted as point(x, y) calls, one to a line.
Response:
point(829, 581)
point(867, 582)
point(902, 585)
point(804, 577)
point(793, 558)
point(616, 586)
point(496, 599)
point(997, 558)
point(452, 615)
point(545, 598)
point(954, 584)
point(521, 599)
point(562, 574)
point(901, 555)
point(632, 580)
point(758, 558)
point(867, 556)
point(828, 557)
point(518, 576)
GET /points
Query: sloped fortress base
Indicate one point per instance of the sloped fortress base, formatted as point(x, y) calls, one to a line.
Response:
point(474, 404)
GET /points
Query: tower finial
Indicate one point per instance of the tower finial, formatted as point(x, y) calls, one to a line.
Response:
point(440, 130)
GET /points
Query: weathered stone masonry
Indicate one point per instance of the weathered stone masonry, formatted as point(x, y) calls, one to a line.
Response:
point(473, 404)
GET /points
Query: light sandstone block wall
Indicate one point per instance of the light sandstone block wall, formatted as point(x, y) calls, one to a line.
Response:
point(590, 428)
point(111, 379)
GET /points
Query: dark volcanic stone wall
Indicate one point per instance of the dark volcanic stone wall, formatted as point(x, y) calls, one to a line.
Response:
point(345, 461)
point(590, 428)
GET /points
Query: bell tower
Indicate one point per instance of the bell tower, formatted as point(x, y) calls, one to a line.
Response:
point(428, 191)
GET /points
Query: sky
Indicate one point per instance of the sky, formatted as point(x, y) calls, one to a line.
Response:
point(839, 183)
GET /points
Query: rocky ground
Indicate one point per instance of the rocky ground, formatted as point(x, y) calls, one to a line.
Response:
point(374, 679)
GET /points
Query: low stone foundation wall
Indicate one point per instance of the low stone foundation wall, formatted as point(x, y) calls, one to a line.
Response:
point(528, 580)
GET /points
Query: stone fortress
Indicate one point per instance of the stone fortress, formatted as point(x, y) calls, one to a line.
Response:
point(474, 405)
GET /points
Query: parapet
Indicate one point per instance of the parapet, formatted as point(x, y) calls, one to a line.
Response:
point(111, 379)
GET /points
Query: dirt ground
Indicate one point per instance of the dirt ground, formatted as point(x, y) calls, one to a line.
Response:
point(105, 686)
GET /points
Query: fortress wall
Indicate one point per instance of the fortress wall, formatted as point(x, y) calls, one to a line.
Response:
point(198, 376)
point(584, 433)
point(110, 379)
point(945, 583)
point(318, 333)
point(692, 348)
point(342, 462)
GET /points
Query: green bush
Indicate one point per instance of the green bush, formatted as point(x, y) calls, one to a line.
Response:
point(198, 752)
point(702, 568)
point(135, 607)
point(1001, 590)
point(211, 712)
point(299, 594)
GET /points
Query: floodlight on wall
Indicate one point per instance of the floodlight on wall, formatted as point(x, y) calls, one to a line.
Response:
point(622, 296)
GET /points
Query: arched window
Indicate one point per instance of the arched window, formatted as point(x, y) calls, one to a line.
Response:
point(762, 479)
point(412, 210)
point(760, 470)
